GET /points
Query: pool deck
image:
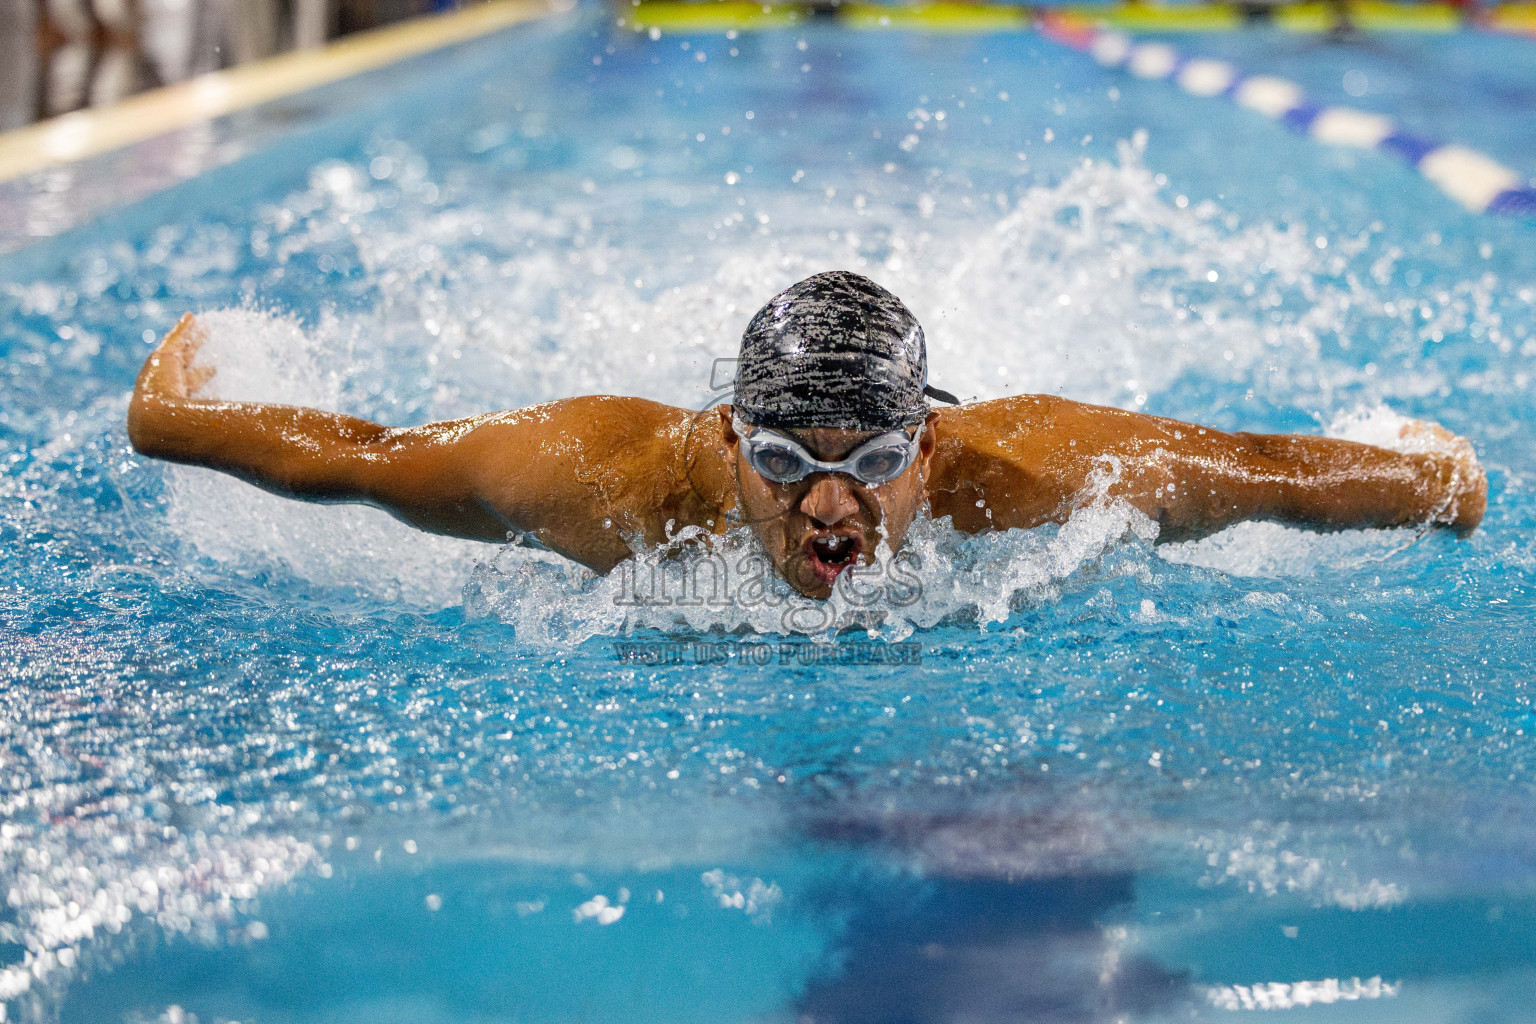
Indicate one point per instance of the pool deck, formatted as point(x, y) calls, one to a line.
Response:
point(87, 133)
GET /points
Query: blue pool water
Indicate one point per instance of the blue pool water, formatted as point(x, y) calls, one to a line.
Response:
point(267, 762)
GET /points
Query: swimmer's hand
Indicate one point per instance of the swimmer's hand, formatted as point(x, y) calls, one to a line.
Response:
point(1454, 461)
point(171, 370)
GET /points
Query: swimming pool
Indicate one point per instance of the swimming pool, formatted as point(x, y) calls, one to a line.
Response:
point(266, 762)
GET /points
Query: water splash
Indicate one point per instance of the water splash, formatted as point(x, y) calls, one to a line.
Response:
point(700, 584)
point(1094, 286)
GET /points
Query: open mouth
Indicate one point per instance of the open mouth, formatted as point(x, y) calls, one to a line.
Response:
point(831, 553)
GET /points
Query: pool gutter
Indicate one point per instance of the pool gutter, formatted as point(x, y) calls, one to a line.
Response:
point(88, 133)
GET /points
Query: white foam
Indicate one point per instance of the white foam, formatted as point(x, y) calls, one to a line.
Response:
point(1385, 427)
point(269, 357)
point(81, 878)
point(1270, 549)
point(755, 898)
point(1266, 864)
point(349, 547)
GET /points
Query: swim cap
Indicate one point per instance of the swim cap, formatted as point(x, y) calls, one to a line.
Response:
point(835, 350)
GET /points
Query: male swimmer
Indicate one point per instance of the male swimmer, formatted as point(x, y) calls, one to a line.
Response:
point(830, 443)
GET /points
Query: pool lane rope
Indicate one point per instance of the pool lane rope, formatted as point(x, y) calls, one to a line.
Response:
point(1477, 181)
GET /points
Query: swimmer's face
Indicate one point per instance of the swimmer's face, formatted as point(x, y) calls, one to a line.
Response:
point(816, 528)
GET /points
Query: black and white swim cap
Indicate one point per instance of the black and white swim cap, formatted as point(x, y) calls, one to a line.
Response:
point(834, 350)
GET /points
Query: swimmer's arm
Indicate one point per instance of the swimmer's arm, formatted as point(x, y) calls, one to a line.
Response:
point(1318, 483)
point(536, 471)
point(1195, 481)
point(296, 452)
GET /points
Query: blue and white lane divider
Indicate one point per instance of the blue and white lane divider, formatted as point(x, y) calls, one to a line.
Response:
point(1477, 181)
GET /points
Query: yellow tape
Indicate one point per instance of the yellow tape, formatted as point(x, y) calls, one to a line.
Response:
point(88, 133)
point(1387, 17)
point(1515, 18)
point(1374, 15)
point(1147, 18)
point(946, 16)
point(713, 16)
point(1306, 17)
point(937, 17)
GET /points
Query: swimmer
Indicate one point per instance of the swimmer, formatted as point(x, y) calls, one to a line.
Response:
point(829, 446)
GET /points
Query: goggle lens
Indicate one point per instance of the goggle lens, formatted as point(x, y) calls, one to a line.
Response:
point(781, 465)
point(884, 464)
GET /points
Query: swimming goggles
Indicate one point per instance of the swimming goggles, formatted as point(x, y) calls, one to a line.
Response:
point(785, 461)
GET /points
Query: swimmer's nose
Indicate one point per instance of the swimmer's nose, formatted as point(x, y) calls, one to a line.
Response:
point(830, 500)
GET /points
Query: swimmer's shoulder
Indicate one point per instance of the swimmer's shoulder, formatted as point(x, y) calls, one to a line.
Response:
point(611, 438)
point(1013, 462)
point(1004, 418)
point(594, 424)
point(664, 466)
point(646, 448)
point(594, 473)
point(986, 463)
point(1040, 419)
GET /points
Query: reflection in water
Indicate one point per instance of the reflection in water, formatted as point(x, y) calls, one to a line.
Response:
point(982, 929)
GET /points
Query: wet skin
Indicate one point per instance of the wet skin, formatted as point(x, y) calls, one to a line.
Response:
point(594, 477)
